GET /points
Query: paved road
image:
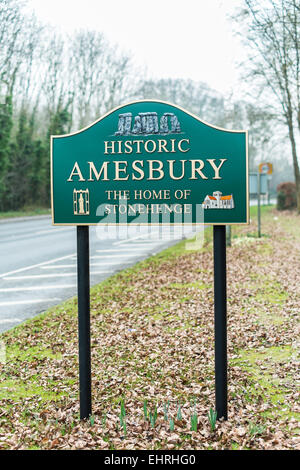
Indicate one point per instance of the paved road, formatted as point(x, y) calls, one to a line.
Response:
point(38, 264)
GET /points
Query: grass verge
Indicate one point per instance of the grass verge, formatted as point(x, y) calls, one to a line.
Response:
point(27, 211)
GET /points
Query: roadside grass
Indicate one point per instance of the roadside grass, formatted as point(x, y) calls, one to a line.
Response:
point(26, 211)
point(153, 354)
point(266, 210)
point(264, 379)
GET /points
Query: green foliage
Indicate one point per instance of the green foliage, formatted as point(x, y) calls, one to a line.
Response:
point(280, 201)
point(26, 211)
point(179, 414)
point(60, 122)
point(256, 429)
point(24, 158)
point(25, 179)
point(5, 133)
point(212, 418)
point(264, 210)
point(145, 409)
point(194, 418)
point(92, 420)
point(122, 418)
point(172, 424)
point(194, 422)
point(153, 417)
point(103, 420)
point(166, 410)
point(123, 411)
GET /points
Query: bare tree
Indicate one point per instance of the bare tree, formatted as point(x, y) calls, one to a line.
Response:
point(100, 75)
point(196, 97)
point(87, 50)
point(271, 33)
point(28, 79)
point(57, 94)
point(120, 83)
point(10, 44)
point(57, 87)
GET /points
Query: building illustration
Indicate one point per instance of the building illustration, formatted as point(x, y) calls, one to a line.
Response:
point(217, 201)
point(81, 202)
point(148, 124)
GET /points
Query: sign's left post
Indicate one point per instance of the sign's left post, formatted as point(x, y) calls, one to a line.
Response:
point(84, 334)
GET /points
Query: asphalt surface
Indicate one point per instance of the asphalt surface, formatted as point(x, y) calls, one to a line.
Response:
point(38, 263)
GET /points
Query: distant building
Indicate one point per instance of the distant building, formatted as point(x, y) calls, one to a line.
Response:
point(217, 201)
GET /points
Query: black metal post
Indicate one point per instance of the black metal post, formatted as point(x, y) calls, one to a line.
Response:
point(220, 321)
point(258, 206)
point(84, 336)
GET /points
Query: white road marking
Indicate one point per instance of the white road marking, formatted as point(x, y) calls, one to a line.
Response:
point(38, 276)
point(9, 320)
point(55, 229)
point(119, 250)
point(144, 245)
point(27, 234)
point(105, 263)
point(23, 302)
point(46, 276)
point(99, 272)
point(41, 287)
point(128, 255)
point(126, 240)
point(59, 266)
point(101, 264)
point(64, 266)
point(35, 266)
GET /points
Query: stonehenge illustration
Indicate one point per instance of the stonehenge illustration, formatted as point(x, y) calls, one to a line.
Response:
point(147, 124)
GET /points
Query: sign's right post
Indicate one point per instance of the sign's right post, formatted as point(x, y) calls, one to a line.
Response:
point(84, 335)
point(220, 321)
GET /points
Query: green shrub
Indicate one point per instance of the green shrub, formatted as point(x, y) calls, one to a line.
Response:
point(286, 196)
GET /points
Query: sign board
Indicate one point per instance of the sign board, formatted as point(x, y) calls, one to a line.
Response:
point(253, 183)
point(265, 168)
point(150, 162)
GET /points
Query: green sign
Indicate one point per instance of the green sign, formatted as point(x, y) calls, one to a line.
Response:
point(150, 162)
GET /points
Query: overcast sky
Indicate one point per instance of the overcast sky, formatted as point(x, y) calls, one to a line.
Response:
point(172, 38)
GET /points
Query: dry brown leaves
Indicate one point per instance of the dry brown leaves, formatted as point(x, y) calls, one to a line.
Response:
point(153, 339)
